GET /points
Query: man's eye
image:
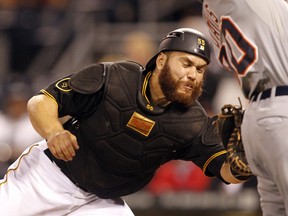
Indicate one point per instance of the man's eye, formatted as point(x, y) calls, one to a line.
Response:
point(201, 70)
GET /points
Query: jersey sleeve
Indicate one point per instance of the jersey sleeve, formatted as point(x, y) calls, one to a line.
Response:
point(69, 101)
point(209, 158)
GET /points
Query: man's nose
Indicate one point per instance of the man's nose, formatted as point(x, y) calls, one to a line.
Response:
point(192, 73)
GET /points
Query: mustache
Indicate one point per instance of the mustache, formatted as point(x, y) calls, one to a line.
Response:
point(188, 83)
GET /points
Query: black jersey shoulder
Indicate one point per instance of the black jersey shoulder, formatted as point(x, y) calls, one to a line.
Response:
point(91, 78)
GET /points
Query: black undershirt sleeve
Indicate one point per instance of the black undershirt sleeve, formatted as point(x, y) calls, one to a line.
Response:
point(209, 158)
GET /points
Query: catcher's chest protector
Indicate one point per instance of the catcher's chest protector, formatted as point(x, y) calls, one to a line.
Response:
point(124, 141)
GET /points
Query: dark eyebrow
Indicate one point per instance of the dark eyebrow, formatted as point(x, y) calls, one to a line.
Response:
point(191, 62)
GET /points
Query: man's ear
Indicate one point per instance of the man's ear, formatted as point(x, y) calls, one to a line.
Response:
point(161, 60)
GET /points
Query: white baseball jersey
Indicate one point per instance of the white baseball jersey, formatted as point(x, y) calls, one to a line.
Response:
point(256, 52)
point(251, 38)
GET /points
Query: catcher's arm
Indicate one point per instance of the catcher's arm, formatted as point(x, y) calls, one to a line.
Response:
point(43, 114)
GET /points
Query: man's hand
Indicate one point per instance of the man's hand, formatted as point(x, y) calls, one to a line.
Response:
point(63, 145)
point(229, 129)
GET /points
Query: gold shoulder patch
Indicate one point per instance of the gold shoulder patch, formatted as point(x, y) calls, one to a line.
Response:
point(63, 85)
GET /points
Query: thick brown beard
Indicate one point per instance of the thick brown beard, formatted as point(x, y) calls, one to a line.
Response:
point(169, 88)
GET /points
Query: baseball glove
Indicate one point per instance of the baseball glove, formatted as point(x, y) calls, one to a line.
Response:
point(229, 129)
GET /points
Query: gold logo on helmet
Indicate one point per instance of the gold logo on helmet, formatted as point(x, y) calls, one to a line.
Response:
point(201, 43)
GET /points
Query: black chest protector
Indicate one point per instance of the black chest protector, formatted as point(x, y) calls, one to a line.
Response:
point(126, 140)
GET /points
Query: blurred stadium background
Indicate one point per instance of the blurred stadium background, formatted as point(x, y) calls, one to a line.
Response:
point(42, 40)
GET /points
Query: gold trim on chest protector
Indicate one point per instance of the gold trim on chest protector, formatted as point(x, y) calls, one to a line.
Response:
point(144, 89)
point(141, 124)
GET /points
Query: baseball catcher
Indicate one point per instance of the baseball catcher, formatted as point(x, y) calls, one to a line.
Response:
point(229, 129)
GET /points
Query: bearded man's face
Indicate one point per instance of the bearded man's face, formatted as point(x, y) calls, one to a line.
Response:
point(177, 88)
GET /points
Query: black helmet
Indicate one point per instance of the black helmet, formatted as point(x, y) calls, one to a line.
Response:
point(184, 40)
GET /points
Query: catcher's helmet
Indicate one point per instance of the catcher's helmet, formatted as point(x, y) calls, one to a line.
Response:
point(184, 40)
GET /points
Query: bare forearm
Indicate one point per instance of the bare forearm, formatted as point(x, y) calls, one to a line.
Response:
point(43, 113)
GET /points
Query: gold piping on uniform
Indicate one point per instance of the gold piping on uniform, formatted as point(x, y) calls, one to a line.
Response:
point(211, 158)
point(145, 84)
point(15, 168)
point(48, 95)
